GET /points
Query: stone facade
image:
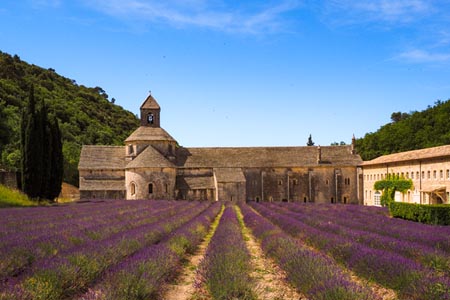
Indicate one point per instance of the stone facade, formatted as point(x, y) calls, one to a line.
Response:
point(152, 165)
point(429, 170)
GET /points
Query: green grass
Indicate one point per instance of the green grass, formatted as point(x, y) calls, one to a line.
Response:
point(13, 198)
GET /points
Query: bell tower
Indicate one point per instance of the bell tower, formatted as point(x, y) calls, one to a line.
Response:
point(150, 113)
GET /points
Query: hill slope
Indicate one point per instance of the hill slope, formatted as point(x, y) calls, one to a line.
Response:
point(409, 131)
point(86, 115)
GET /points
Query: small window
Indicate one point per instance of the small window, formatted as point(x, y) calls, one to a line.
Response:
point(441, 174)
point(295, 182)
point(150, 188)
point(280, 182)
point(412, 175)
point(434, 174)
point(429, 175)
point(327, 182)
point(448, 173)
point(423, 174)
point(377, 199)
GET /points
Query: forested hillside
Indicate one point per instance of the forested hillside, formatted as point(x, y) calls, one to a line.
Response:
point(409, 131)
point(86, 115)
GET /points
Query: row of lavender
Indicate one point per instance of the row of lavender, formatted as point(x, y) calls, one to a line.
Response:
point(225, 268)
point(81, 255)
point(143, 274)
point(312, 273)
point(20, 249)
point(406, 260)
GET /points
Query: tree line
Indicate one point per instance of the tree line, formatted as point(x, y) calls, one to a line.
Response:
point(86, 115)
point(408, 131)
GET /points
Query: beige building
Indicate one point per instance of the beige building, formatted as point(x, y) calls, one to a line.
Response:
point(429, 170)
point(152, 165)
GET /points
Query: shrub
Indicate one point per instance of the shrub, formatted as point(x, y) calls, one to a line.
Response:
point(436, 214)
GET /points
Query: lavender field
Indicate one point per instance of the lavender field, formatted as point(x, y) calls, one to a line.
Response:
point(134, 249)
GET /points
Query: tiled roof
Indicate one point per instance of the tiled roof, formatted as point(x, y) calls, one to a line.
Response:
point(195, 182)
point(229, 175)
point(150, 157)
point(145, 133)
point(150, 103)
point(102, 185)
point(427, 153)
point(260, 157)
point(102, 157)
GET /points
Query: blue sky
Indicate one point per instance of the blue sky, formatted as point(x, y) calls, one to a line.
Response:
point(245, 73)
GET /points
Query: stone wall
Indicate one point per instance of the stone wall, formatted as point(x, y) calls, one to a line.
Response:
point(151, 183)
point(320, 185)
point(10, 179)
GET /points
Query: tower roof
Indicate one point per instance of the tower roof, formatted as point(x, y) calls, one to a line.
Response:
point(150, 103)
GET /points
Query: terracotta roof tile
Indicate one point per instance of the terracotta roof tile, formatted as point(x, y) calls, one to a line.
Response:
point(427, 153)
point(229, 175)
point(144, 133)
point(150, 103)
point(150, 157)
point(260, 157)
point(195, 182)
point(102, 157)
point(102, 185)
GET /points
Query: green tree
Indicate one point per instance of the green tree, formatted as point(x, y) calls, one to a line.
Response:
point(42, 161)
point(32, 149)
point(4, 128)
point(390, 185)
point(56, 168)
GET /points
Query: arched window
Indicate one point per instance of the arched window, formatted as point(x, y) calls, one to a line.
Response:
point(150, 118)
point(133, 189)
point(150, 188)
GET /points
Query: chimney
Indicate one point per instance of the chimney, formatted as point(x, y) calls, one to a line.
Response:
point(319, 154)
point(353, 144)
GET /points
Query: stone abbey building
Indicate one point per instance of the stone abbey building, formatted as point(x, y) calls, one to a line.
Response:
point(152, 165)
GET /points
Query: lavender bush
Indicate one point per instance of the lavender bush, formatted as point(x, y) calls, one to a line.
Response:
point(310, 272)
point(389, 268)
point(142, 275)
point(73, 270)
point(226, 266)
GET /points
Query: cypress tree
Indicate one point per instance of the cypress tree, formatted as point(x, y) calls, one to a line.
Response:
point(42, 158)
point(57, 161)
point(32, 149)
point(47, 145)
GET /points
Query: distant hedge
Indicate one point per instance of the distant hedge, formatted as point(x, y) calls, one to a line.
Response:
point(436, 214)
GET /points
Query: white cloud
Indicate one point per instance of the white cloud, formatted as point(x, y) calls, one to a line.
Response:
point(422, 56)
point(214, 14)
point(398, 11)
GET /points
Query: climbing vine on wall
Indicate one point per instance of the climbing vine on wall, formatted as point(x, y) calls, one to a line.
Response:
point(390, 185)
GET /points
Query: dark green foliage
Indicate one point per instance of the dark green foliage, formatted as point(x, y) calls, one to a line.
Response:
point(4, 128)
point(32, 149)
point(436, 214)
point(408, 131)
point(390, 185)
point(41, 152)
point(85, 115)
point(57, 161)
